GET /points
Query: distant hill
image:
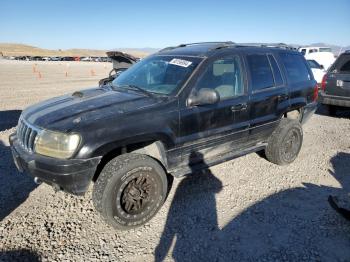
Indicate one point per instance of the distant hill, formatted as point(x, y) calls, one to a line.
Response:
point(10, 49)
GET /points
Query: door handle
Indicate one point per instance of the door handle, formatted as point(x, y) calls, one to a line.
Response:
point(283, 97)
point(239, 107)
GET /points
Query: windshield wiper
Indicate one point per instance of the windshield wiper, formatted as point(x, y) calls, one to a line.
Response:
point(135, 87)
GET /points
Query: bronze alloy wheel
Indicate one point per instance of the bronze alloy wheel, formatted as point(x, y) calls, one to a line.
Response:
point(137, 194)
point(130, 190)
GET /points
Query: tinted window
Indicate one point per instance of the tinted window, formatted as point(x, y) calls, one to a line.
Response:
point(260, 72)
point(342, 64)
point(276, 71)
point(345, 67)
point(296, 67)
point(223, 75)
point(313, 64)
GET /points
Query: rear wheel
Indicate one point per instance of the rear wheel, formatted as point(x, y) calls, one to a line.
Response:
point(130, 190)
point(285, 142)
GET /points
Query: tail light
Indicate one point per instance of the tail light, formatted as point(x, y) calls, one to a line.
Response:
point(315, 94)
point(324, 82)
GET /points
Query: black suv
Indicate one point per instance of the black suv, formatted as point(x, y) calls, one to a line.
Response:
point(335, 87)
point(180, 110)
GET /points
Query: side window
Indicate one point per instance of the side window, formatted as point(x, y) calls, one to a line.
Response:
point(260, 72)
point(296, 68)
point(276, 71)
point(225, 76)
point(346, 67)
point(345, 64)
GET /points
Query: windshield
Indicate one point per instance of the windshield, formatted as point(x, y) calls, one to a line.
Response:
point(158, 74)
point(313, 64)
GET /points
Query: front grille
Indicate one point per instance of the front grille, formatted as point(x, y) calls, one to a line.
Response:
point(26, 135)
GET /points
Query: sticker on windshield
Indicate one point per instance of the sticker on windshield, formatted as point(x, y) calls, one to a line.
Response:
point(180, 62)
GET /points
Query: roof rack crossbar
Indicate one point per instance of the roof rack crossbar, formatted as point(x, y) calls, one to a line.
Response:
point(200, 43)
point(220, 45)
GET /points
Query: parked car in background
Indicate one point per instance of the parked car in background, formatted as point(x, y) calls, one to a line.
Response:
point(36, 58)
point(68, 58)
point(317, 70)
point(176, 112)
point(314, 49)
point(121, 61)
point(55, 58)
point(85, 59)
point(323, 55)
point(335, 87)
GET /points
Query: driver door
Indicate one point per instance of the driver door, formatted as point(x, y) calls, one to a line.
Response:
point(208, 131)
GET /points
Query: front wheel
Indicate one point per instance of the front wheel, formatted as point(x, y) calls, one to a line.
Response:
point(130, 190)
point(285, 142)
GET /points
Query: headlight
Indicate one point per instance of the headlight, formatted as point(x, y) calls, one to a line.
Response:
point(55, 144)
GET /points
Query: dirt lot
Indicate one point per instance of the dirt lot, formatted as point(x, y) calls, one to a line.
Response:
point(244, 210)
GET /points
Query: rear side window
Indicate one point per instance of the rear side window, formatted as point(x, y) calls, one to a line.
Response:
point(260, 72)
point(276, 71)
point(342, 65)
point(296, 67)
point(346, 67)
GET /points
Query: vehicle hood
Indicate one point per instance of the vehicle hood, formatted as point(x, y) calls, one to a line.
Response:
point(66, 112)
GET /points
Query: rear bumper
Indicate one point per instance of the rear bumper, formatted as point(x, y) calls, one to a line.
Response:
point(334, 100)
point(308, 111)
point(70, 175)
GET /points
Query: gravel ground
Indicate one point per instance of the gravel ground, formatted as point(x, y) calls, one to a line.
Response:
point(246, 209)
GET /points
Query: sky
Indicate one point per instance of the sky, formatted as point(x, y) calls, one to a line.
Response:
point(103, 24)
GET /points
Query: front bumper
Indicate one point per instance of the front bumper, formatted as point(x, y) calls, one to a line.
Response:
point(71, 175)
point(334, 100)
point(308, 111)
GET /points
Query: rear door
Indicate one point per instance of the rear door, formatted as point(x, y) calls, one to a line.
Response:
point(301, 83)
point(268, 95)
point(338, 80)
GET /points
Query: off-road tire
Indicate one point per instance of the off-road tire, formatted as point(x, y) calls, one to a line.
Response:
point(285, 142)
point(123, 178)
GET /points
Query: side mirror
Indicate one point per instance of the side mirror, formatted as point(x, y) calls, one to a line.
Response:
point(204, 96)
point(322, 67)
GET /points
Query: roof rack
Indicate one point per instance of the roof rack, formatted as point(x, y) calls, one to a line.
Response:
point(219, 45)
point(275, 45)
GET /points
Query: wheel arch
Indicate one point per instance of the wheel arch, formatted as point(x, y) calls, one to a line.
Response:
point(148, 145)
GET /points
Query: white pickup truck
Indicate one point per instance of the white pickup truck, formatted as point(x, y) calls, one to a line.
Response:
point(322, 55)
